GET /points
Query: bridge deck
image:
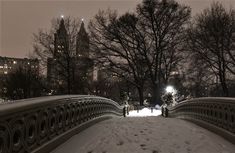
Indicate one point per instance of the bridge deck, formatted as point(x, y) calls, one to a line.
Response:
point(146, 135)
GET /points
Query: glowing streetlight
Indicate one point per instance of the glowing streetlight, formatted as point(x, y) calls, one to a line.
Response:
point(82, 19)
point(62, 16)
point(170, 89)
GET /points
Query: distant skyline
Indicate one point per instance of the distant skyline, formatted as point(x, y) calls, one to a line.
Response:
point(20, 19)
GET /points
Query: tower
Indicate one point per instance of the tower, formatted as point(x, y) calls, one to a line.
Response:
point(70, 71)
point(57, 66)
point(82, 42)
point(61, 44)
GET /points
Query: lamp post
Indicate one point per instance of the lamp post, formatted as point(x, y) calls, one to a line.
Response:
point(171, 90)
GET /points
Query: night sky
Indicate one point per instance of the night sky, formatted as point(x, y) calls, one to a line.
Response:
point(20, 19)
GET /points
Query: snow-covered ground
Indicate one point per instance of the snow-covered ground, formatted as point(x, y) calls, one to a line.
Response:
point(145, 135)
point(144, 112)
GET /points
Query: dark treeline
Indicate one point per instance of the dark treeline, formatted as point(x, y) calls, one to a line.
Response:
point(157, 45)
point(22, 83)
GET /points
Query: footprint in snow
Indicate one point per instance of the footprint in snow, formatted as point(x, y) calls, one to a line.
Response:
point(187, 142)
point(189, 150)
point(143, 145)
point(120, 143)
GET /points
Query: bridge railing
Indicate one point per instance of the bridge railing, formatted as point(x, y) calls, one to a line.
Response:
point(38, 125)
point(216, 114)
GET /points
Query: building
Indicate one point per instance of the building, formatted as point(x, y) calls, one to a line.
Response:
point(70, 71)
point(9, 65)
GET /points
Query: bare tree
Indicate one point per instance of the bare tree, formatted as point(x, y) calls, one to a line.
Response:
point(211, 36)
point(199, 79)
point(148, 43)
point(118, 43)
point(165, 22)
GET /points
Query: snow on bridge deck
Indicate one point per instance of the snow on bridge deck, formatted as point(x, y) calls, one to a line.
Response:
point(145, 135)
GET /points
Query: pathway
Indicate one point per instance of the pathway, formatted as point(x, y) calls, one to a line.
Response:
point(145, 135)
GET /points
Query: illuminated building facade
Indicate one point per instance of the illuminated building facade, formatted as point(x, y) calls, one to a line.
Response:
point(9, 65)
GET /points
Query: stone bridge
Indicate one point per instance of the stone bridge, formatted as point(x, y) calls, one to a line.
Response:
point(69, 124)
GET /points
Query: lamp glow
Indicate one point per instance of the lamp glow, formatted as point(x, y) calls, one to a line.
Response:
point(82, 19)
point(170, 89)
point(62, 16)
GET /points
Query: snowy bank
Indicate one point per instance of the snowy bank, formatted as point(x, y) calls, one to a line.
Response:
point(144, 112)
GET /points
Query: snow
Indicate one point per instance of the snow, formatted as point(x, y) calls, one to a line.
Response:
point(145, 135)
point(144, 112)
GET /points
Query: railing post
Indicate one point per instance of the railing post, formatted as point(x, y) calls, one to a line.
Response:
point(124, 111)
point(127, 110)
point(166, 112)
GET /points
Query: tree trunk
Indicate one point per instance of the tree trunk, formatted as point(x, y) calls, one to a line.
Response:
point(68, 79)
point(141, 95)
point(224, 86)
point(223, 83)
point(156, 99)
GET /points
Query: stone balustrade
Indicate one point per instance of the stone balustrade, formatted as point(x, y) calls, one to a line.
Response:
point(216, 114)
point(38, 125)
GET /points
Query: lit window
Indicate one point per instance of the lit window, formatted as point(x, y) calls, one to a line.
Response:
point(5, 66)
point(5, 72)
point(60, 82)
point(1, 67)
point(14, 62)
point(174, 73)
point(28, 63)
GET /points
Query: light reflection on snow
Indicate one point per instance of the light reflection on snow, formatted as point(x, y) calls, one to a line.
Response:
point(144, 113)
